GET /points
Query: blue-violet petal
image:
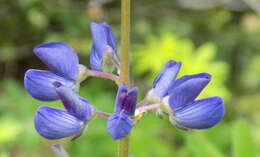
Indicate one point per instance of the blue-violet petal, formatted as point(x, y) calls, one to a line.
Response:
point(59, 57)
point(111, 39)
point(39, 84)
point(96, 60)
point(126, 99)
point(102, 37)
point(166, 77)
point(119, 125)
point(201, 114)
point(53, 123)
point(75, 105)
point(185, 89)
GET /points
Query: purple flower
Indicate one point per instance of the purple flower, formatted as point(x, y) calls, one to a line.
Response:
point(63, 63)
point(126, 99)
point(163, 81)
point(59, 57)
point(75, 105)
point(120, 123)
point(188, 112)
point(180, 95)
point(104, 45)
point(53, 123)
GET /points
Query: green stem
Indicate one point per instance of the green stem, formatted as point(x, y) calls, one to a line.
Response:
point(124, 147)
point(125, 27)
point(124, 65)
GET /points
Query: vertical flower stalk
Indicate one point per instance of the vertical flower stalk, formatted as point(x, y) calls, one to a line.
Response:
point(125, 29)
point(124, 65)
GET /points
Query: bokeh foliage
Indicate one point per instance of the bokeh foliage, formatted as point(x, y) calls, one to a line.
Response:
point(221, 39)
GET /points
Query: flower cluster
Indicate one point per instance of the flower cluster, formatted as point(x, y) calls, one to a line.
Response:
point(63, 81)
point(177, 97)
point(54, 123)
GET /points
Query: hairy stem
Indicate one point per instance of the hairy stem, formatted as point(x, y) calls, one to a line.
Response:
point(103, 75)
point(124, 65)
point(143, 109)
point(102, 114)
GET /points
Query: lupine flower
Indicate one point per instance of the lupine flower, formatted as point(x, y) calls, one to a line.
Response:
point(188, 113)
point(179, 97)
point(163, 81)
point(63, 63)
point(120, 123)
point(53, 123)
point(104, 45)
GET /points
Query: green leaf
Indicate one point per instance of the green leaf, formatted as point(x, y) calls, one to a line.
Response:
point(201, 147)
point(242, 140)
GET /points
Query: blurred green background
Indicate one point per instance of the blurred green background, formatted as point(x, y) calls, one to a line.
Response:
point(221, 37)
